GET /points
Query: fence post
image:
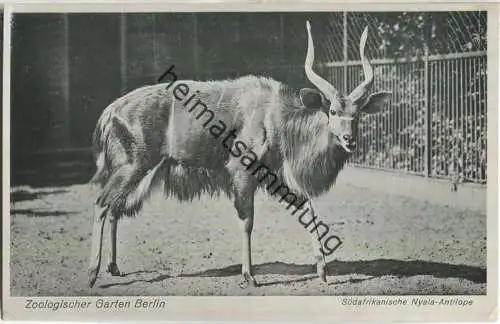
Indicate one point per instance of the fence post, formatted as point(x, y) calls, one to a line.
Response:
point(428, 114)
point(66, 84)
point(345, 51)
point(155, 46)
point(282, 39)
point(196, 52)
point(123, 52)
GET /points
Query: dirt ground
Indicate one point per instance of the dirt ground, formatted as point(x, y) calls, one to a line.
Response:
point(402, 235)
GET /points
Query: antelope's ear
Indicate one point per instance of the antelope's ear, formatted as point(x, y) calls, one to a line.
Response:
point(375, 102)
point(311, 98)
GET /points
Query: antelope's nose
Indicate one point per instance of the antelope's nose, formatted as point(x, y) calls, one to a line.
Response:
point(347, 138)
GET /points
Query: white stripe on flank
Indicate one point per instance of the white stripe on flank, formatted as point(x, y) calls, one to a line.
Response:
point(220, 98)
point(144, 187)
point(171, 130)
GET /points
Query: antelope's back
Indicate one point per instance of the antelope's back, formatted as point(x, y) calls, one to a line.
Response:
point(189, 120)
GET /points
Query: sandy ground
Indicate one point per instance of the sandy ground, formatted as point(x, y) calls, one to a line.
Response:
point(402, 235)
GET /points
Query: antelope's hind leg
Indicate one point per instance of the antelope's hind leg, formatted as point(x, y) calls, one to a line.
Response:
point(123, 194)
point(100, 215)
point(95, 252)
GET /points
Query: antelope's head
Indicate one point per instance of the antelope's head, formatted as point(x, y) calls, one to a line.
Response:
point(344, 111)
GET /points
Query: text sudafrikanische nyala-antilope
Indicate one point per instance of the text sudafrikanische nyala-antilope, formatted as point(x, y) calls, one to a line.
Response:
point(147, 138)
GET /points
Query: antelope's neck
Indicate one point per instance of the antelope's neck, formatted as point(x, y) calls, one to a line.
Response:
point(311, 168)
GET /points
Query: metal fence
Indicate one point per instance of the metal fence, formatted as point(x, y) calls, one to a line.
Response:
point(436, 122)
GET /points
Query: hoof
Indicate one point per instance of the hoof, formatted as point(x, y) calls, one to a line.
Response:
point(113, 270)
point(247, 280)
point(92, 277)
point(321, 269)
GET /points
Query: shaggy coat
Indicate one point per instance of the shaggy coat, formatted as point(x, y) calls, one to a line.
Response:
point(153, 136)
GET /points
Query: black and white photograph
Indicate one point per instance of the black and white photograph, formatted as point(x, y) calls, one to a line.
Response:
point(279, 153)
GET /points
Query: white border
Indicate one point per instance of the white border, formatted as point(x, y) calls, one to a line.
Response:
point(269, 308)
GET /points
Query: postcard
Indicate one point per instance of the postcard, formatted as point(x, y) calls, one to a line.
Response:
point(250, 161)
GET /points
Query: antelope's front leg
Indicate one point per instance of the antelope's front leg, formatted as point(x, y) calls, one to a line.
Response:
point(244, 204)
point(316, 243)
point(112, 266)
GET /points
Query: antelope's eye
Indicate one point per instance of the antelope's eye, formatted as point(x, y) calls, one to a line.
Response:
point(333, 112)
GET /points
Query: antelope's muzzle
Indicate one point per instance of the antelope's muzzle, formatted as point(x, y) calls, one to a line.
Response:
point(349, 142)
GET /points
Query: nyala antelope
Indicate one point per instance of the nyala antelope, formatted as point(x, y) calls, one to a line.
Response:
point(148, 139)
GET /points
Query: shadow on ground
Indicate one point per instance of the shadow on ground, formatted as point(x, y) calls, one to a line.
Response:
point(375, 268)
point(372, 268)
point(52, 178)
point(23, 195)
point(52, 169)
point(40, 213)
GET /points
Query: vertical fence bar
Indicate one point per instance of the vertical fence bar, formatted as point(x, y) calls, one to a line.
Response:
point(373, 124)
point(401, 140)
point(458, 117)
point(442, 113)
point(466, 117)
point(420, 154)
point(473, 121)
point(434, 116)
point(376, 135)
point(477, 129)
point(402, 76)
point(483, 120)
point(345, 52)
point(414, 107)
point(476, 121)
point(155, 46)
point(473, 115)
point(418, 102)
point(449, 129)
point(421, 93)
point(428, 115)
point(479, 125)
point(123, 52)
point(438, 111)
point(394, 121)
point(455, 120)
point(282, 39)
point(66, 84)
point(196, 54)
point(411, 108)
point(461, 114)
point(448, 133)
